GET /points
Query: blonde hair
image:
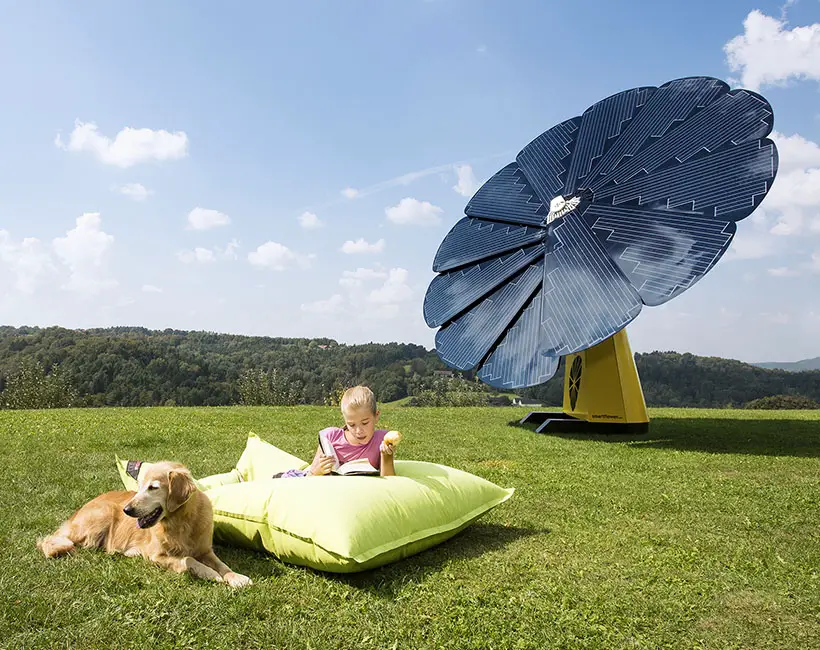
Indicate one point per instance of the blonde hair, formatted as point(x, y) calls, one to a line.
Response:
point(359, 397)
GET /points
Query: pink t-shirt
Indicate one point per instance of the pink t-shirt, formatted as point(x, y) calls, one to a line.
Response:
point(348, 452)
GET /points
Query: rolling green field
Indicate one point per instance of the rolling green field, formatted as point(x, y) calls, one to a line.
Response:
point(704, 533)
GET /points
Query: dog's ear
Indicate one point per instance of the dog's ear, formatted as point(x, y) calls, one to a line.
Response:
point(181, 487)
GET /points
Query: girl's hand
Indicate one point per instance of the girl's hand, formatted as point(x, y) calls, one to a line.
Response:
point(391, 439)
point(387, 468)
point(321, 465)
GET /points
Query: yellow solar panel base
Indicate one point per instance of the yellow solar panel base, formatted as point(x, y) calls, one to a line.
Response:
point(602, 392)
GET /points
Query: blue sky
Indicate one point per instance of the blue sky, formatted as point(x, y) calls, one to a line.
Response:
point(290, 168)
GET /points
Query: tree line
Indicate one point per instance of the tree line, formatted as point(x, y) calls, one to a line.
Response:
point(132, 366)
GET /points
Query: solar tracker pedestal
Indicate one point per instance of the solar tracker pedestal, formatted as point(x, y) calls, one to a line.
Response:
point(602, 393)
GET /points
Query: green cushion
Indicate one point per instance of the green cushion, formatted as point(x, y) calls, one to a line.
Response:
point(345, 524)
point(261, 460)
point(203, 484)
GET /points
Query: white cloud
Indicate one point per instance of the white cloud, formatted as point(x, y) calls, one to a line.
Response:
point(310, 221)
point(789, 223)
point(365, 274)
point(83, 251)
point(481, 49)
point(361, 273)
point(406, 179)
point(332, 305)
point(799, 188)
point(135, 191)
point(229, 253)
point(28, 261)
point(125, 301)
point(386, 312)
point(129, 147)
point(277, 257)
point(795, 152)
point(767, 53)
point(387, 301)
point(752, 241)
point(784, 8)
point(414, 212)
point(374, 295)
point(727, 316)
point(353, 279)
point(361, 246)
point(199, 255)
point(777, 318)
point(794, 200)
point(467, 184)
point(202, 255)
point(783, 272)
point(394, 291)
point(445, 171)
point(814, 265)
point(150, 288)
point(205, 219)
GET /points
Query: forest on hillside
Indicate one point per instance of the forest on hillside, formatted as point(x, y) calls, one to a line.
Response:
point(131, 366)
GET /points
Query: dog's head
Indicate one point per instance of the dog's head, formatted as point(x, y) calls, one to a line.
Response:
point(163, 488)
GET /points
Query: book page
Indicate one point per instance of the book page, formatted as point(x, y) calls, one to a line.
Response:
point(328, 450)
point(358, 466)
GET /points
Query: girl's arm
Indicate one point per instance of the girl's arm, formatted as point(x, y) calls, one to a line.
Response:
point(387, 467)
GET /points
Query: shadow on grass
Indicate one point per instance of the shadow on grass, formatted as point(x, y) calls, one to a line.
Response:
point(388, 580)
point(786, 437)
point(476, 540)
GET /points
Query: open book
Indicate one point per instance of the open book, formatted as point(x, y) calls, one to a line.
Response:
point(353, 467)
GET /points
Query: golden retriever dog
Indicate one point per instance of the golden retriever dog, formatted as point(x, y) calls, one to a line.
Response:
point(168, 521)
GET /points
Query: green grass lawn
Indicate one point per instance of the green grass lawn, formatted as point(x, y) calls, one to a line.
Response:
point(701, 534)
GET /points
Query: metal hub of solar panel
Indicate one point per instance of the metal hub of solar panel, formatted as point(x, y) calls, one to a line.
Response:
point(627, 205)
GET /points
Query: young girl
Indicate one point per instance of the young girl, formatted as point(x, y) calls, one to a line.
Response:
point(359, 438)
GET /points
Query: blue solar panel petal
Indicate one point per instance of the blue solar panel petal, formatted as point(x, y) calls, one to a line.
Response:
point(662, 252)
point(544, 160)
point(630, 203)
point(465, 341)
point(667, 107)
point(585, 297)
point(729, 184)
point(599, 124)
point(455, 291)
point(472, 240)
point(736, 117)
point(520, 359)
point(508, 197)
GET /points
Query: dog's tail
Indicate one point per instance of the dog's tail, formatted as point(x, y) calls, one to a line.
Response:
point(56, 545)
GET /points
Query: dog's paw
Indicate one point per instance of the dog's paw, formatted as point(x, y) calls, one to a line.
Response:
point(237, 580)
point(55, 546)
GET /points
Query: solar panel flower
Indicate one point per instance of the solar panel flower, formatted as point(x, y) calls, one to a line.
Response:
point(627, 205)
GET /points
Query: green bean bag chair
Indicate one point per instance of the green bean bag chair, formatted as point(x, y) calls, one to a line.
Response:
point(341, 524)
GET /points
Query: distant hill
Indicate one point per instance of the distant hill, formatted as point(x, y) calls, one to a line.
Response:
point(791, 366)
point(134, 366)
point(686, 380)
